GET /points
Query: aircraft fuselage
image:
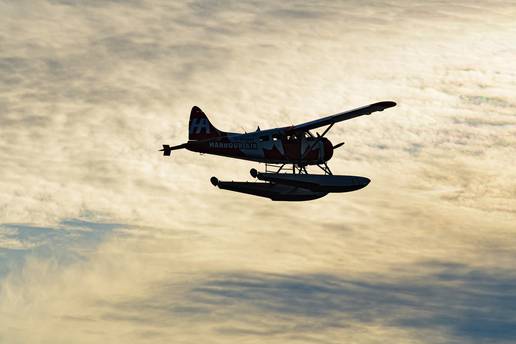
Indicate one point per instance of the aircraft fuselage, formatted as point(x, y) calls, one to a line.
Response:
point(268, 146)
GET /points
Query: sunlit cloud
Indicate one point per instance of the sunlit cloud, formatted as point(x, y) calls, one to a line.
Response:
point(91, 89)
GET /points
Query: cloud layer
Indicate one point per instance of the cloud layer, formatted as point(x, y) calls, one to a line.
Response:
point(89, 90)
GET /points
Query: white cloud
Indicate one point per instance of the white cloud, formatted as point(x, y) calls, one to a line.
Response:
point(90, 90)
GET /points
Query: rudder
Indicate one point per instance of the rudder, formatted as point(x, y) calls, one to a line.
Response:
point(200, 127)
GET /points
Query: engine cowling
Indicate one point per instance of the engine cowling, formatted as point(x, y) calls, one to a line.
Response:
point(327, 149)
point(321, 150)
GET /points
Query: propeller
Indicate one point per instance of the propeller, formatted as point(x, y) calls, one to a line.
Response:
point(338, 145)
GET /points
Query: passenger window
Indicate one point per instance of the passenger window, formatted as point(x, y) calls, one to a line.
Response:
point(292, 138)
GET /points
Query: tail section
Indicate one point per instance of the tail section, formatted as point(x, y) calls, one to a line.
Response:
point(200, 127)
point(167, 150)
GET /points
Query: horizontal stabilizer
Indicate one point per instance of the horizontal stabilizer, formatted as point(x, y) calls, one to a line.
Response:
point(167, 150)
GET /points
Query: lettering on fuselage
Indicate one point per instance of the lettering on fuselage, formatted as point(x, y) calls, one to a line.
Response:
point(199, 124)
point(233, 145)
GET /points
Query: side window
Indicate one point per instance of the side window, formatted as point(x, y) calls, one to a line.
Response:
point(264, 138)
point(292, 138)
point(276, 137)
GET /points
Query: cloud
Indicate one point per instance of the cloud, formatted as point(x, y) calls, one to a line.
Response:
point(439, 297)
point(449, 302)
point(91, 89)
point(65, 244)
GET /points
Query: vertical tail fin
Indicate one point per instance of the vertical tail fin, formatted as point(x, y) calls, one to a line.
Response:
point(200, 127)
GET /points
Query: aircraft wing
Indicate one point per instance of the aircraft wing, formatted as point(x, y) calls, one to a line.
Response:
point(343, 116)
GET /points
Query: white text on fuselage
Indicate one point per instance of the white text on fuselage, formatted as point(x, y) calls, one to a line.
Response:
point(233, 145)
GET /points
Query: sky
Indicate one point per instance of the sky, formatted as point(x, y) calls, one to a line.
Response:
point(102, 239)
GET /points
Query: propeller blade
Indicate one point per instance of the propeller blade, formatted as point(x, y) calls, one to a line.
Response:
point(338, 145)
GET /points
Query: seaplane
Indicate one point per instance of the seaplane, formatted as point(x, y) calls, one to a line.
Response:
point(286, 153)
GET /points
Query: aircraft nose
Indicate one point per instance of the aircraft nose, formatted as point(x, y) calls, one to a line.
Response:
point(328, 149)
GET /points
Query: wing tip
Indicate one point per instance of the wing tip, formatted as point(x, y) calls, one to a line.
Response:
point(386, 104)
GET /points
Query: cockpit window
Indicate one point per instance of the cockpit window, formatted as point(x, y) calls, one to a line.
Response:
point(292, 138)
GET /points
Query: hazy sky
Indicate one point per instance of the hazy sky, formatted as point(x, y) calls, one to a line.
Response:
point(104, 240)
